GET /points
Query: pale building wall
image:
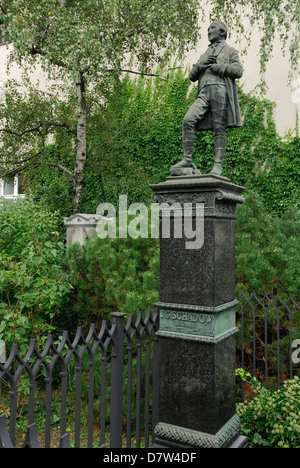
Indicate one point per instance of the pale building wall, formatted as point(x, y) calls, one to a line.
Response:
point(15, 72)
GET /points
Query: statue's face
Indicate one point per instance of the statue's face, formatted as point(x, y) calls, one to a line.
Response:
point(214, 33)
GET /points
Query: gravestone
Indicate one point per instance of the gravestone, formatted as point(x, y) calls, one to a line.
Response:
point(197, 331)
point(80, 226)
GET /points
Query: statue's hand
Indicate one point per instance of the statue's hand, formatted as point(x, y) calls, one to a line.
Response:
point(215, 68)
point(209, 61)
point(206, 63)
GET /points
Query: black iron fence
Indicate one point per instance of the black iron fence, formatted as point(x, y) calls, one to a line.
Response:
point(93, 392)
point(101, 390)
point(268, 327)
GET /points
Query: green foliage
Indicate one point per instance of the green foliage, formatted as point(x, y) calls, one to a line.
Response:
point(33, 283)
point(95, 37)
point(51, 185)
point(112, 275)
point(271, 419)
point(267, 249)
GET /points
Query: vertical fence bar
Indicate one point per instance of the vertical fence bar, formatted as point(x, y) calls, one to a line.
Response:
point(278, 349)
point(254, 345)
point(13, 411)
point(155, 378)
point(91, 401)
point(242, 348)
point(147, 392)
point(138, 394)
point(291, 342)
point(266, 346)
point(48, 381)
point(64, 395)
point(103, 398)
point(117, 364)
point(129, 393)
point(78, 368)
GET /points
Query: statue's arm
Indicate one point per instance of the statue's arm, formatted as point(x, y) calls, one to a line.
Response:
point(204, 62)
point(234, 69)
point(196, 71)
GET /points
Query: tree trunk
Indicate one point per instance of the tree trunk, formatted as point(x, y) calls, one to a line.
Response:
point(80, 141)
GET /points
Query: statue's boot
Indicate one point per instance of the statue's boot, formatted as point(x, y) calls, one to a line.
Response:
point(184, 167)
point(217, 169)
point(185, 162)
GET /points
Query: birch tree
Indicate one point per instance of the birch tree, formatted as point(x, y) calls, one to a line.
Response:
point(89, 44)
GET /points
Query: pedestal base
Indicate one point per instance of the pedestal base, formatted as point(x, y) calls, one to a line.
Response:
point(237, 441)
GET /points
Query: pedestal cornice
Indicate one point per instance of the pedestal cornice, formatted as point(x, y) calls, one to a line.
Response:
point(218, 194)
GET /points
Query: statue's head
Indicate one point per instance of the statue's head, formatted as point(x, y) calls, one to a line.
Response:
point(217, 31)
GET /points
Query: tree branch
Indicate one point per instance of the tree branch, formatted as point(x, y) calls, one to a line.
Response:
point(38, 127)
point(38, 163)
point(28, 159)
point(37, 51)
point(138, 73)
point(59, 124)
point(14, 171)
point(12, 132)
point(59, 166)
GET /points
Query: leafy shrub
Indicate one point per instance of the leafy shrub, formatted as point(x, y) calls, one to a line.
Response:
point(33, 282)
point(271, 419)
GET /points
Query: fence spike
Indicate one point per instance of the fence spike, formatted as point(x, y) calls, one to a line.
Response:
point(5, 440)
point(65, 441)
point(31, 440)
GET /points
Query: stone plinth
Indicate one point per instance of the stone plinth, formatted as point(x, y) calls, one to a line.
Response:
point(197, 317)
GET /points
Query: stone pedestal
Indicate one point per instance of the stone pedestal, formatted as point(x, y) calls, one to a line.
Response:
point(197, 318)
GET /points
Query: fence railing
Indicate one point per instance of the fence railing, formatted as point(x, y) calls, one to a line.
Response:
point(268, 327)
point(101, 390)
point(104, 382)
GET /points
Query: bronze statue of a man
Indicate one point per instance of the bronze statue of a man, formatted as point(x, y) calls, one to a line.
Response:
point(216, 106)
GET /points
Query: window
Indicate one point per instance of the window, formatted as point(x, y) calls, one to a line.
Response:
point(11, 187)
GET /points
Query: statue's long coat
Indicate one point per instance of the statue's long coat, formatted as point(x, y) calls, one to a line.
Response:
point(228, 59)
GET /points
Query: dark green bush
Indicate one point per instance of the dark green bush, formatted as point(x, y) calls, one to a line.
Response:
point(111, 275)
point(267, 249)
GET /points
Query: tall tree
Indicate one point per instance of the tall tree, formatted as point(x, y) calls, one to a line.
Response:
point(88, 44)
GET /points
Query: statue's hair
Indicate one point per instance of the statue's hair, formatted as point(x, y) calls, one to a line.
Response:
point(222, 27)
